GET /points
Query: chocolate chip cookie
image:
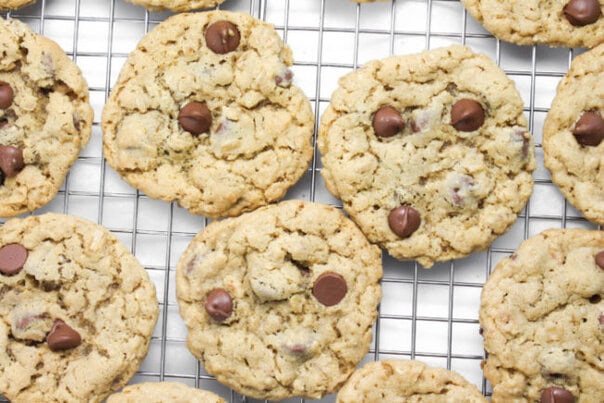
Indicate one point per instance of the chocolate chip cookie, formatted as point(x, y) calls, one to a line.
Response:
point(163, 392)
point(573, 134)
point(76, 310)
point(45, 118)
point(205, 113)
point(572, 23)
point(176, 5)
point(280, 302)
point(14, 4)
point(542, 317)
point(407, 381)
point(430, 153)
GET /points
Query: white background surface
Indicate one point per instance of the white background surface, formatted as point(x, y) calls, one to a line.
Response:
point(429, 315)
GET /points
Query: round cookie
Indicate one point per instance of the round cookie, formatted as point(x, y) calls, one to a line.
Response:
point(542, 319)
point(280, 302)
point(160, 392)
point(76, 310)
point(572, 23)
point(221, 131)
point(45, 118)
point(573, 134)
point(429, 153)
point(176, 5)
point(407, 381)
point(14, 4)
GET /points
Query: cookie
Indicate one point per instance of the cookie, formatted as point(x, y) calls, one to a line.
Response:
point(76, 310)
point(205, 113)
point(176, 5)
point(572, 23)
point(406, 381)
point(14, 4)
point(280, 302)
point(573, 134)
point(45, 118)
point(430, 153)
point(542, 319)
point(159, 392)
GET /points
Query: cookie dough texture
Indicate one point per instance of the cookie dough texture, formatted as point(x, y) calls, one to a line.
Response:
point(76, 271)
point(176, 5)
point(577, 169)
point(163, 392)
point(398, 381)
point(280, 341)
point(14, 4)
point(50, 118)
point(468, 187)
point(541, 313)
point(529, 22)
point(260, 138)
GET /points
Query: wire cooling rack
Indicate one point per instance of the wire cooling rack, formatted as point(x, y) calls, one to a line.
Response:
point(428, 315)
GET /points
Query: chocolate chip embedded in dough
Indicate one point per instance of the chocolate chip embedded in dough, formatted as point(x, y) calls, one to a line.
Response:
point(12, 258)
point(600, 259)
point(330, 288)
point(589, 129)
point(404, 221)
point(467, 115)
point(7, 95)
point(556, 394)
point(387, 122)
point(62, 337)
point(195, 117)
point(219, 304)
point(582, 12)
point(222, 37)
point(11, 160)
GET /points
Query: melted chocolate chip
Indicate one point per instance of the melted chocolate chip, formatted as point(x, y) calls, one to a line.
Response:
point(589, 129)
point(404, 221)
point(387, 122)
point(600, 260)
point(12, 258)
point(11, 160)
point(6, 95)
point(195, 117)
point(222, 37)
point(467, 115)
point(62, 337)
point(555, 394)
point(219, 304)
point(329, 288)
point(582, 12)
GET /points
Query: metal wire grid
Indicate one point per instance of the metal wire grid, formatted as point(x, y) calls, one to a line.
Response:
point(427, 315)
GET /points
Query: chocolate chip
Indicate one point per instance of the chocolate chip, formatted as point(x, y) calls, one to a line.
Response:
point(222, 37)
point(467, 115)
point(555, 394)
point(195, 117)
point(284, 78)
point(11, 160)
point(601, 319)
point(219, 304)
point(600, 259)
point(589, 129)
point(6, 95)
point(330, 288)
point(387, 122)
point(62, 337)
point(404, 220)
point(582, 12)
point(12, 258)
point(3, 122)
point(2, 178)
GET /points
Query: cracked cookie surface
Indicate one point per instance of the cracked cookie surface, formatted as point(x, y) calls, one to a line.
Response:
point(573, 154)
point(176, 5)
point(398, 381)
point(14, 4)
point(44, 113)
point(74, 273)
point(280, 302)
point(529, 22)
point(542, 317)
point(160, 392)
point(429, 153)
point(254, 126)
